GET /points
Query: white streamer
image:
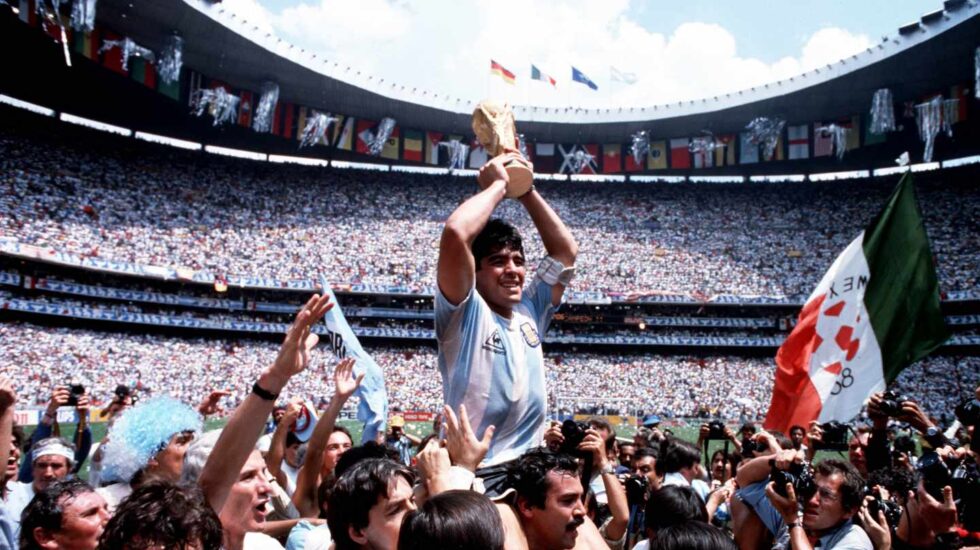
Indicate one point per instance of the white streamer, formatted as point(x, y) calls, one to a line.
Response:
point(172, 60)
point(262, 122)
point(83, 15)
point(640, 146)
point(882, 112)
point(316, 128)
point(458, 151)
point(218, 103)
point(129, 49)
point(766, 131)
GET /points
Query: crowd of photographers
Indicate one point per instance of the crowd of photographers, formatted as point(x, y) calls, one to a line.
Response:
point(905, 479)
point(241, 218)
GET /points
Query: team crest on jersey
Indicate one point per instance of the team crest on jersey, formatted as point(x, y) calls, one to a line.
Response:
point(530, 335)
point(494, 343)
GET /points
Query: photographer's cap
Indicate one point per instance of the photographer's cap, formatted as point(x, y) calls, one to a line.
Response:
point(651, 421)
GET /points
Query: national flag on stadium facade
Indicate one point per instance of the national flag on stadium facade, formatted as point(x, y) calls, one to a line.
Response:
point(962, 94)
point(413, 146)
point(364, 132)
point(301, 114)
point(748, 152)
point(799, 141)
point(612, 160)
point(777, 151)
point(345, 138)
point(570, 153)
point(87, 44)
point(544, 158)
point(680, 153)
point(28, 13)
point(499, 70)
point(873, 313)
point(579, 76)
point(112, 58)
point(390, 149)
point(823, 142)
point(871, 138)
point(725, 152)
point(657, 158)
point(432, 141)
point(630, 163)
point(143, 71)
point(282, 124)
point(477, 156)
point(703, 159)
point(245, 108)
point(536, 74)
point(853, 125)
point(195, 81)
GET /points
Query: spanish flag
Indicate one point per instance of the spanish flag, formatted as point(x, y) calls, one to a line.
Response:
point(499, 70)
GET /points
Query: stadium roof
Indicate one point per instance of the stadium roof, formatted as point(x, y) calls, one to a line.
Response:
point(923, 57)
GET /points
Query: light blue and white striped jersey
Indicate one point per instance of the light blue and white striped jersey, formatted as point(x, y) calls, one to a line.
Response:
point(495, 367)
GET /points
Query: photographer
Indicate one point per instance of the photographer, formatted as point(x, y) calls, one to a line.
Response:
point(717, 431)
point(830, 495)
point(62, 396)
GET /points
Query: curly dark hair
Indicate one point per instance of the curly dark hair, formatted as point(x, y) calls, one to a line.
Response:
point(528, 475)
point(495, 236)
point(47, 508)
point(163, 514)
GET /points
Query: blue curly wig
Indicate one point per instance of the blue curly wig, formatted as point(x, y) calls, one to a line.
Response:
point(143, 431)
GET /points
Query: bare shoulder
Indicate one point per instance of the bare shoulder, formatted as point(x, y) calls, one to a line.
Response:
point(514, 538)
point(589, 537)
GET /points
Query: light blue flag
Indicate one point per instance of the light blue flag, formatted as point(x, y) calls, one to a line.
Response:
point(373, 409)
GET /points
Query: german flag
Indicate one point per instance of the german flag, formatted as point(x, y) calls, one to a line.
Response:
point(499, 70)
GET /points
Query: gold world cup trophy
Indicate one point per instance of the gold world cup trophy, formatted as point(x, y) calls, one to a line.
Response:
point(493, 124)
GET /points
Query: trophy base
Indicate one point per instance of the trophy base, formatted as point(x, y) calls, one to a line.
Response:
point(521, 179)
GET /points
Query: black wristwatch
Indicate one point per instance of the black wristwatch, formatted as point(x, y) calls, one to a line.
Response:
point(263, 393)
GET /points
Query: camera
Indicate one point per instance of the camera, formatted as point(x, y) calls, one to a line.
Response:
point(892, 510)
point(799, 474)
point(891, 403)
point(636, 489)
point(716, 430)
point(834, 437)
point(968, 412)
point(574, 433)
point(934, 474)
point(75, 391)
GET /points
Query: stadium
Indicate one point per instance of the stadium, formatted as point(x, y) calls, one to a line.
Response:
point(161, 226)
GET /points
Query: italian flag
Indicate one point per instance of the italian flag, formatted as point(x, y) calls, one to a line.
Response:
point(873, 313)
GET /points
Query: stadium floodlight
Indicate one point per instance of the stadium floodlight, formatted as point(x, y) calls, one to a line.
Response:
point(26, 105)
point(237, 153)
point(779, 178)
point(419, 169)
point(96, 125)
point(305, 161)
point(890, 171)
point(172, 142)
point(344, 165)
point(717, 179)
point(925, 167)
point(658, 179)
point(962, 161)
point(833, 176)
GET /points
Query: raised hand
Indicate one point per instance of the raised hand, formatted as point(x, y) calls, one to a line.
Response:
point(343, 378)
point(464, 448)
point(211, 403)
point(294, 354)
point(593, 443)
point(59, 398)
point(7, 394)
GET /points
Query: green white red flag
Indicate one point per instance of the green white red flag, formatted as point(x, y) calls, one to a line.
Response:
point(873, 313)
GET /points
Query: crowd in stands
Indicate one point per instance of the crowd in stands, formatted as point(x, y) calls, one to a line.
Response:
point(159, 480)
point(241, 218)
point(728, 387)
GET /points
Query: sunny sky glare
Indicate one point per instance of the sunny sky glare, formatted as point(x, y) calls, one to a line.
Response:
point(675, 49)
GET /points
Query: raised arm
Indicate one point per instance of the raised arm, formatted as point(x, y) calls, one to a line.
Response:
point(7, 400)
point(277, 447)
point(304, 497)
point(557, 239)
point(456, 269)
point(245, 426)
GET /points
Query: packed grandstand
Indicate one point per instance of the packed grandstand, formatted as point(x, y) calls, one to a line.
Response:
point(683, 292)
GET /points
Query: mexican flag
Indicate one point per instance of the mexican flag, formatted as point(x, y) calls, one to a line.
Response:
point(873, 313)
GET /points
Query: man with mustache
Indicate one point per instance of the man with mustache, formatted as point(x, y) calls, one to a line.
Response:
point(489, 327)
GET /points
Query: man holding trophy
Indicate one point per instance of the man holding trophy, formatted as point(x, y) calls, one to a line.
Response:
point(489, 327)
